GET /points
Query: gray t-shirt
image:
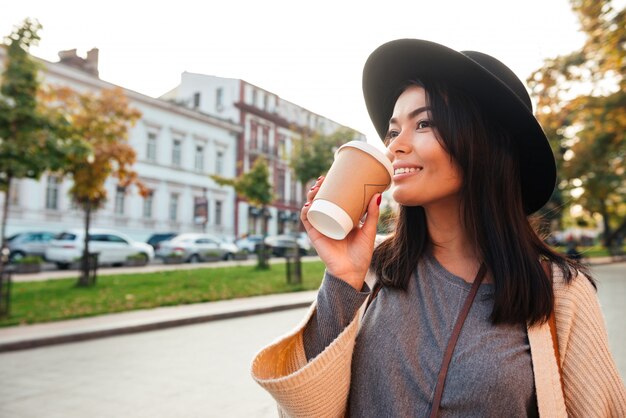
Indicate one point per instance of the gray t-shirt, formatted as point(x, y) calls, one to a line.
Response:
point(400, 346)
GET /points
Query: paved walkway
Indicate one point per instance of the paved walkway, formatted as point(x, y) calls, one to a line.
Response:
point(30, 336)
point(38, 335)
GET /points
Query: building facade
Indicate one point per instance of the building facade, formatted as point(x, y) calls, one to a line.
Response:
point(177, 150)
point(270, 127)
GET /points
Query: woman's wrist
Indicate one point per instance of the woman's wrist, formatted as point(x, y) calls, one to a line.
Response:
point(354, 279)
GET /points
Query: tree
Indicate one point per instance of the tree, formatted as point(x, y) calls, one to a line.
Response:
point(581, 102)
point(255, 187)
point(30, 143)
point(311, 157)
point(102, 121)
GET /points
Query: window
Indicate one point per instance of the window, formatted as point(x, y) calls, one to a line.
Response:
point(199, 163)
point(254, 94)
point(196, 100)
point(173, 207)
point(219, 98)
point(120, 193)
point(219, 162)
point(218, 212)
point(176, 152)
point(147, 205)
point(280, 184)
point(14, 198)
point(151, 147)
point(253, 135)
point(266, 139)
point(52, 193)
point(292, 192)
point(116, 239)
point(265, 101)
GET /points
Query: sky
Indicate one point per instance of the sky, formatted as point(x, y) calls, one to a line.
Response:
point(309, 53)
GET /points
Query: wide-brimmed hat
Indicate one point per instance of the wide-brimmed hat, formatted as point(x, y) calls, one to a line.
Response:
point(491, 83)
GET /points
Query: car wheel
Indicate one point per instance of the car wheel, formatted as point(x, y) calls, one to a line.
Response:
point(17, 255)
point(228, 256)
point(194, 259)
point(63, 266)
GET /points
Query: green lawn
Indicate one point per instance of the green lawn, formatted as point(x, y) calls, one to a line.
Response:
point(54, 300)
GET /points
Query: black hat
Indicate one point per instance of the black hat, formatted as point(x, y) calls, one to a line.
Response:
point(495, 87)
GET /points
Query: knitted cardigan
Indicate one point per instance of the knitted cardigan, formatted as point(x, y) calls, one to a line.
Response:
point(591, 383)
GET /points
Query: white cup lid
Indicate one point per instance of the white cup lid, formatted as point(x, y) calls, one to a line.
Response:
point(330, 219)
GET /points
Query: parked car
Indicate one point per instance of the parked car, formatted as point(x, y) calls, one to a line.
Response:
point(280, 244)
point(250, 243)
point(155, 239)
point(195, 247)
point(112, 247)
point(29, 243)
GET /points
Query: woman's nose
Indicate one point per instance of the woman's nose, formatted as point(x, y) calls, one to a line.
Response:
point(400, 145)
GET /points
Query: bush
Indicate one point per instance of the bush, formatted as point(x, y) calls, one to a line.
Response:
point(31, 259)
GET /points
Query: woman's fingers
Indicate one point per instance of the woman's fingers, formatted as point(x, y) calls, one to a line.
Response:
point(371, 220)
point(305, 209)
point(314, 189)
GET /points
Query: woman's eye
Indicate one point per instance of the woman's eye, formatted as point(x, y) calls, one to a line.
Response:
point(423, 124)
point(391, 135)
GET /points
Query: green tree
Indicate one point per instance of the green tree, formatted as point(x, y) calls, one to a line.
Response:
point(31, 140)
point(255, 187)
point(102, 121)
point(313, 155)
point(581, 102)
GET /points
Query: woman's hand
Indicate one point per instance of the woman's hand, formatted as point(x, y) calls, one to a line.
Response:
point(348, 259)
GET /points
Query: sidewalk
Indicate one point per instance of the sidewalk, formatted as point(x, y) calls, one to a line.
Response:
point(60, 332)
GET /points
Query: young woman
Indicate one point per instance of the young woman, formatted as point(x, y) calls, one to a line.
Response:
point(470, 313)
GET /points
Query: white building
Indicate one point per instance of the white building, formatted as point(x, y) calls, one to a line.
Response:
point(270, 126)
point(177, 149)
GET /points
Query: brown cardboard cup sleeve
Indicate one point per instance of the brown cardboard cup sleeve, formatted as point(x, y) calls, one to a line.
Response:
point(359, 171)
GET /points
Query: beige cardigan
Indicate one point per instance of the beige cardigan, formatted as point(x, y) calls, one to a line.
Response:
point(592, 384)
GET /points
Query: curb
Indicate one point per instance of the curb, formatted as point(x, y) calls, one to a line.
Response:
point(36, 342)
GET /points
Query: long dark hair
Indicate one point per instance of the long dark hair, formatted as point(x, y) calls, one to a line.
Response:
point(492, 213)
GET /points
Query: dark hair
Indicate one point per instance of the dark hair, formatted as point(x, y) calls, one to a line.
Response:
point(492, 213)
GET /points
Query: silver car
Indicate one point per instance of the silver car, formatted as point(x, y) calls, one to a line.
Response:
point(29, 243)
point(193, 247)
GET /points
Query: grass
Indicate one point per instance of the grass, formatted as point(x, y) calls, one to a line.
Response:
point(53, 300)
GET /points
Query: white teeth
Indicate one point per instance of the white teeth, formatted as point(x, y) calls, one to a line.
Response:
point(406, 170)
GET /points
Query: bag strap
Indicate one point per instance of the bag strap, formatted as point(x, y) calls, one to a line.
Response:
point(456, 331)
point(547, 268)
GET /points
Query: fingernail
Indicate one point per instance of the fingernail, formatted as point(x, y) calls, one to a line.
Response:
point(380, 197)
point(319, 178)
point(307, 204)
point(313, 188)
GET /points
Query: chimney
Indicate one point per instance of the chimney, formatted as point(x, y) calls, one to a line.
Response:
point(91, 63)
point(88, 65)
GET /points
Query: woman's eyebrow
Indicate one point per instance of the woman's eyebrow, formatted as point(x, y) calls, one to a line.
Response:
point(413, 113)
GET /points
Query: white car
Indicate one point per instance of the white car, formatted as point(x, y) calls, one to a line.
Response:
point(112, 247)
point(195, 247)
point(281, 244)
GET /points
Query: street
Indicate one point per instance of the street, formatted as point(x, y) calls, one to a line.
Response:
point(193, 371)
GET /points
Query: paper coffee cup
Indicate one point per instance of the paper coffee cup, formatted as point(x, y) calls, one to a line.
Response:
point(359, 171)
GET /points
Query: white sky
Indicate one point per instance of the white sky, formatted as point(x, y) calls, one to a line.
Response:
point(310, 53)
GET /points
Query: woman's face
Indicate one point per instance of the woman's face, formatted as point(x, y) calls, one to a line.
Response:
point(424, 173)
